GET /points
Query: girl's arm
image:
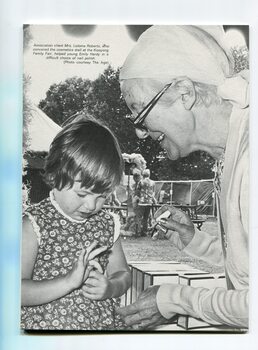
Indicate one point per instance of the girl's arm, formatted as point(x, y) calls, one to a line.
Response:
point(118, 272)
point(44, 291)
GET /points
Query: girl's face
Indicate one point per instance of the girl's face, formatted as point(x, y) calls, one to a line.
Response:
point(79, 203)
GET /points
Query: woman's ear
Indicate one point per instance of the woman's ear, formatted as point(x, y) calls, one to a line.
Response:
point(186, 89)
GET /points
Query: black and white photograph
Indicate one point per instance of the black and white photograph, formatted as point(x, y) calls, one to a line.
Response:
point(135, 180)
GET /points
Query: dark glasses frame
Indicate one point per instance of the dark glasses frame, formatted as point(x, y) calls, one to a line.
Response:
point(137, 122)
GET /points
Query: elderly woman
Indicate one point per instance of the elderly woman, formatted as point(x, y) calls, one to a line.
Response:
point(178, 82)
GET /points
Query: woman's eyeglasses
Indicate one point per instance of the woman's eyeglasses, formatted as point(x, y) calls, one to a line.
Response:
point(137, 122)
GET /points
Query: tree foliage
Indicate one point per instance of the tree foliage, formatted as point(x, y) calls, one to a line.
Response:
point(106, 104)
point(66, 98)
point(241, 58)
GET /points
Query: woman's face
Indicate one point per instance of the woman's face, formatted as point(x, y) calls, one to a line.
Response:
point(172, 125)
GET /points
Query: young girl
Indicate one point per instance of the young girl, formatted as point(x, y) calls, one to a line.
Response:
point(73, 265)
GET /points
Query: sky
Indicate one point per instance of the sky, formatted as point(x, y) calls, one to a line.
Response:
point(45, 72)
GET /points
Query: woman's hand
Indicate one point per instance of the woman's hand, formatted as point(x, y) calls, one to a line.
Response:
point(144, 312)
point(81, 268)
point(179, 222)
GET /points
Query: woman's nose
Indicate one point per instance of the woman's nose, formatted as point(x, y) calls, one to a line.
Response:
point(141, 134)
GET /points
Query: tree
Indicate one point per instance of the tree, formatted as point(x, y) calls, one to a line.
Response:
point(65, 98)
point(241, 58)
point(106, 104)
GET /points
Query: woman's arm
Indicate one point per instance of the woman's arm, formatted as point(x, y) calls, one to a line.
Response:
point(44, 291)
point(214, 306)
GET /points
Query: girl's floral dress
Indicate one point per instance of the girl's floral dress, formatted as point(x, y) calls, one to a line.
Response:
point(60, 242)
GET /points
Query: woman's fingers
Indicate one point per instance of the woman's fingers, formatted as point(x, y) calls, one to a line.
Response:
point(96, 252)
point(91, 252)
point(176, 215)
point(96, 265)
point(91, 247)
point(161, 210)
point(87, 272)
point(173, 225)
point(186, 232)
point(88, 250)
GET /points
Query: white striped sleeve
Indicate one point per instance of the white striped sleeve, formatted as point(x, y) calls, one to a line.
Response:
point(117, 226)
point(35, 226)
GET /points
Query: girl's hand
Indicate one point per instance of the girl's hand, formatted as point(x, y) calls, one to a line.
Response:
point(97, 286)
point(81, 269)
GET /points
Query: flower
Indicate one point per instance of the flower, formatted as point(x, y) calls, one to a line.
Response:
point(65, 260)
point(81, 318)
point(63, 312)
point(82, 306)
point(55, 323)
point(55, 223)
point(42, 324)
point(78, 300)
point(52, 233)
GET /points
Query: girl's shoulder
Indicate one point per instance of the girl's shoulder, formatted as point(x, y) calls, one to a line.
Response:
point(37, 208)
point(33, 218)
point(104, 216)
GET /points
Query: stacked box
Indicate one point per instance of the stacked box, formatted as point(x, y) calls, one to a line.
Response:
point(207, 281)
point(126, 298)
point(146, 274)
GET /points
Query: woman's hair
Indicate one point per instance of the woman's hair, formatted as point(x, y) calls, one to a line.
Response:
point(87, 150)
point(206, 94)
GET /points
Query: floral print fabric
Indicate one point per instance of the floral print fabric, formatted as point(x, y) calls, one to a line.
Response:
point(61, 241)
